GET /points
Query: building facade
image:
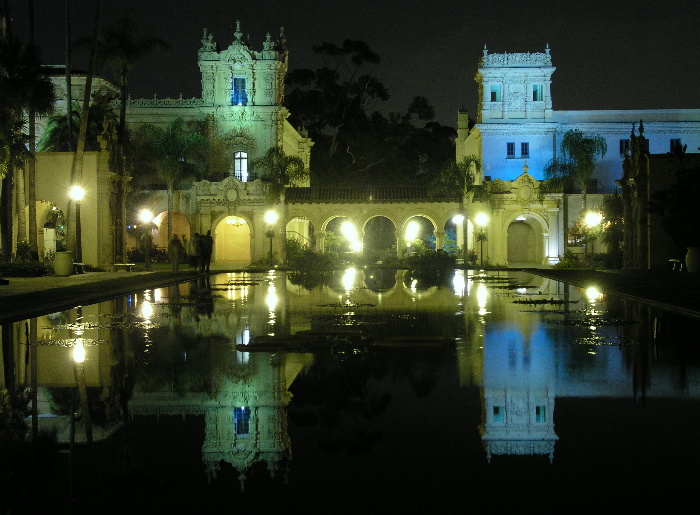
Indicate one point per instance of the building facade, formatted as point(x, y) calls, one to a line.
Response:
point(517, 128)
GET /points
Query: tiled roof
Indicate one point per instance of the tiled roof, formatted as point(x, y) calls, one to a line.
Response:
point(364, 195)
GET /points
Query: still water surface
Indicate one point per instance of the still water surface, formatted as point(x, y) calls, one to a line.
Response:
point(249, 393)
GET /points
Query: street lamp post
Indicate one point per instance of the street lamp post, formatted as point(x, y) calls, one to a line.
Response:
point(270, 219)
point(481, 220)
point(76, 194)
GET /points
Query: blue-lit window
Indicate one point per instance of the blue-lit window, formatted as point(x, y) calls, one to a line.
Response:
point(624, 147)
point(510, 149)
point(525, 149)
point(537, 95)
point(240, 166)
point(239, 96)
point(496, 93)
point(540, 414)
point(498, 412)
point(241, 420)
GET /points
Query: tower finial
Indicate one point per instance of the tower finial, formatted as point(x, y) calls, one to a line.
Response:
point(238, 32)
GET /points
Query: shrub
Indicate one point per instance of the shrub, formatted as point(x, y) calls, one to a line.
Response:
point(25, 269)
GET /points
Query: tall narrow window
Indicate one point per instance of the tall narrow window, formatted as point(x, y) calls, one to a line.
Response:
point(239, 97)
point(510, 149)
point(540, 414)
point(624, 147)
point(525, 149)
point(240, 166)
point(537, 95)
point(495, 93)
point(241, 420)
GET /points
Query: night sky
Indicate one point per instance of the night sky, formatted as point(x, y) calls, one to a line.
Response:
point(608, 54)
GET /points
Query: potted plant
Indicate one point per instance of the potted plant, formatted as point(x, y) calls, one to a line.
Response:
point(62, 259)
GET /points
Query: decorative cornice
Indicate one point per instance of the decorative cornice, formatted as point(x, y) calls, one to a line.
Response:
point(516, 60)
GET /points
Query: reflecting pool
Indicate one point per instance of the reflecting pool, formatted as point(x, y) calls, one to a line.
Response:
point(252, 393)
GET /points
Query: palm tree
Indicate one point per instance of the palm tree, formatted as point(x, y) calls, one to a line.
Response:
point(119, 47)
point(176, 152)
point(460, 177)
point(577, 162)
point(22, 85)
point(61, 134)
point(280, 170)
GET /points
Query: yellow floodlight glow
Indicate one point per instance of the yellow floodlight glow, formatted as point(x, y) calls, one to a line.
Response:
point(458, 282)
point(458, 219)
point(481, 219)
point(271, 299)
point(592, 294)
point(412, 230)
point(145, 216)
point(146, 309)
point(593, 219)
point(481, 296)
point(79, 351)
point(76, 193)
point(271, 217)
point(349, 232)
point(349, 279)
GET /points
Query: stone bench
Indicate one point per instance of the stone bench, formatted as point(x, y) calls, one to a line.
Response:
point(676, 264)
point(126, 266)
point(79, 268)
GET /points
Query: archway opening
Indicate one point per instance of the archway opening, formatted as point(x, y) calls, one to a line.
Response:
point(379, 240)
point(181, 227)
point(301, 231)
point(342, 238)
point(232, 241)
point(523, 248)
point(418, 235)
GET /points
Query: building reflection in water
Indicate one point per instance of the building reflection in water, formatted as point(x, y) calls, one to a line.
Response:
point(186, 350)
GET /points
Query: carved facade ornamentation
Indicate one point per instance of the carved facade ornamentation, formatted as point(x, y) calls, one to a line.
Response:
point(518, 59)
point(516, 101)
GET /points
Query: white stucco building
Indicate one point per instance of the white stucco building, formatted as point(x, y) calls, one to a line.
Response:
point(517, 128)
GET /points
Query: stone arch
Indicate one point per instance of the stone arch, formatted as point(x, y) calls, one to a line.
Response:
point(525, 240)
point(232, 239)
point(332, 223)
point(427, 232)
point(379, 238)
point(302, 229)
point(181, 227)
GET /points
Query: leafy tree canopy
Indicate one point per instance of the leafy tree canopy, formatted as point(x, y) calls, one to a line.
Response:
point(579, 152)
point(339, 105)
point(59, 136)
point(280, 170)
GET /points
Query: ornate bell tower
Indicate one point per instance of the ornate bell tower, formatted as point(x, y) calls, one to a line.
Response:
point(515, 87)
point(240, 76)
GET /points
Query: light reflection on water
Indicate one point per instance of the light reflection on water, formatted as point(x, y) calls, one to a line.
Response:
point(374, 384)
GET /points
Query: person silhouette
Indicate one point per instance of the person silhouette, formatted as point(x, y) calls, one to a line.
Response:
point(207, 242)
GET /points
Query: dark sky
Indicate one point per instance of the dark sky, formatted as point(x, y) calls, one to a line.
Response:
point(612, 54)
